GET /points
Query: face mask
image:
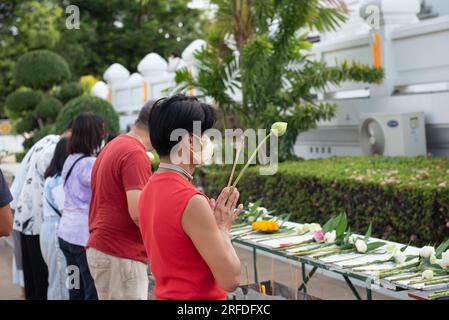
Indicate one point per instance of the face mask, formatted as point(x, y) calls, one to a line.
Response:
point(207, 151)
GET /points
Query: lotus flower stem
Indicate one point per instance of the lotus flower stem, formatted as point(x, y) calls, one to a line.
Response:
point(276, 236)
point(351, 257)
point(428, 282)
point(435, 282)
point(239, 150)
point(393, 272)
point(312, 248)
point(251, 158)
point(296, 245)
point(244, 234)
point(352, 266)
point(310, 252)
point(240, 226)
point(329, 254)
point(439, 294)
point(411, 276)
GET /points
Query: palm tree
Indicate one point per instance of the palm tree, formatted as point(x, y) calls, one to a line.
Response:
point(257, 47)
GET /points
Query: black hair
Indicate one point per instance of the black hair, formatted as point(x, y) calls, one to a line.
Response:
point(87, 135)
point(177, 112)
point(144, 115)
point(59, 157)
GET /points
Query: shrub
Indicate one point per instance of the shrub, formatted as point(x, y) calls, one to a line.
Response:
point(84, 104)
point(20, 156)
point(23, 100)
point(87, 82)
point(26, 124)
point(28, 143)
point(405, 198)
point(39, 134)
point(48, 108)
point(40, 69)
point(69, 91)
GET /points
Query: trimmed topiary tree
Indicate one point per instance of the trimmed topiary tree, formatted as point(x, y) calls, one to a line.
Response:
point(23, 100)
point(69, 91)
point(25, 125)
point(40, 133)
point(88, 104)
point(34, 107)
point(41, 69)
point(48, 108)
point(28, 143)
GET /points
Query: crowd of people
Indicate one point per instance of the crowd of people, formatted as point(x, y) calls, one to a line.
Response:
point(91, 219)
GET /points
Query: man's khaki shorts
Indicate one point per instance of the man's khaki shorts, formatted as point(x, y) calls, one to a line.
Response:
point(118, 278)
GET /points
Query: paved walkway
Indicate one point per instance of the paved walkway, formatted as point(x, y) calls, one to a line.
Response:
point(8, 290)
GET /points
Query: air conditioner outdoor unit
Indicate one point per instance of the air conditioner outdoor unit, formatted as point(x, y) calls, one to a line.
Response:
point(393, 134)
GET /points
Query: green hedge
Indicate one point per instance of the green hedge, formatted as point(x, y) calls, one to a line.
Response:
point(23, 100)
point(25, 124)
point(88, 104)
point(48, 108)
point(405, 198)
point(41, 69)
point(69, 91)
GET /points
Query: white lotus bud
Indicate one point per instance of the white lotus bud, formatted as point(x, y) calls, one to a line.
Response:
point(314, 227)
point(301, 229)
point(426, 251)
point(391, 249)
point(427, 274)
point(279, 128)
point(361, 246)
point(444, 262)
point(400, 257)
point(433, 259)
point(330, 237)
point(352, 239)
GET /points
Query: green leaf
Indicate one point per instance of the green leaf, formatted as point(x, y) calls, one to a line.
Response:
point(342, 225)
point(404, 247)
point(441, 248)
point(332, 224)
point(347, 235)
point(368, 232)
point(374, 245)
point(411, 257)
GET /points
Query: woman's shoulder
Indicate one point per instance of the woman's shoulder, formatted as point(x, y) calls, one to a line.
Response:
point(82, 159)
point(52, 182)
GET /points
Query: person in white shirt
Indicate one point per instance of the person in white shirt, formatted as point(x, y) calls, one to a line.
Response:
point(28, 214)
point(175, 63)
point(53, 206)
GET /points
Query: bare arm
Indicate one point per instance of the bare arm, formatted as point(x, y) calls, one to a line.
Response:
point(211, 238)
point(5, 221)
point(132, 198)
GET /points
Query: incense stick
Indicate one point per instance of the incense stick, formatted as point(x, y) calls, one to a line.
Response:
point(240, 147)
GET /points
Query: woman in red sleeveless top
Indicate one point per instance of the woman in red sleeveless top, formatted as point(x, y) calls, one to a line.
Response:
point(186, 235)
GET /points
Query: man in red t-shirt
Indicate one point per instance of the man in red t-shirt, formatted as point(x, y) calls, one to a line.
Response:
point(115, 252)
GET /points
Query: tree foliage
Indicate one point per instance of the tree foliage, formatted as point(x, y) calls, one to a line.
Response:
point(256, 48)
point(23, 100)
point(88, 104)
point(48, 109)
point(69, 91)
point(25, 26)
point(41, 69)
point(124, 31)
